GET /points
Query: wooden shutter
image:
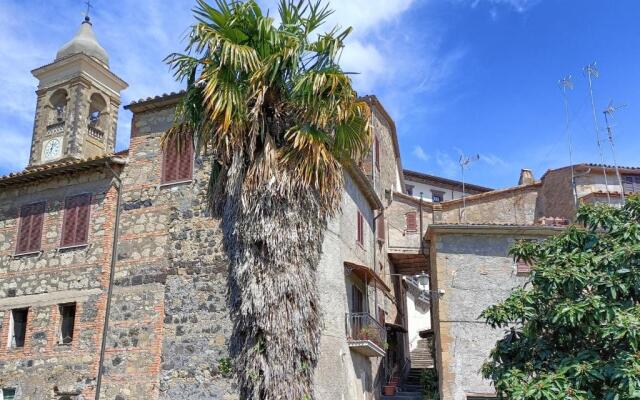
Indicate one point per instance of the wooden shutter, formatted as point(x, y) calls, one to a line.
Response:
point(360, 222)
point(30, 230)
point(376, 151)
point(75, 227)
point(410, 221)
point(381, 316)
point(178, 165)
point(380, 233)
point(627, 184)
point(169, 164)
point(522, 268)
point(185, 164)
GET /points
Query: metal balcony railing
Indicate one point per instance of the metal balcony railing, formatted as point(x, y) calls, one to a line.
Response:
point(362, 326)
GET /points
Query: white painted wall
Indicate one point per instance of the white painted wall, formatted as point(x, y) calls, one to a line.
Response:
point(418, 187)
point(418, 319)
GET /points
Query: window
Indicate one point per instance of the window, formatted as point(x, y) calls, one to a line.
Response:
point(18, 327)
point(376, 152)
point(67, 322)
point(437, 197)
point(410, 219)
point(381, 316)
point(30, 230)
point(8, 394)
point(177, 165)
point(75, 227)
point(409, 189)
point(631, 184)
point(360, 229)
point(380, 233)
point(357, 300)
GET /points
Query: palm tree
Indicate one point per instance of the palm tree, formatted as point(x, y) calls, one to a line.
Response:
point(280, 119)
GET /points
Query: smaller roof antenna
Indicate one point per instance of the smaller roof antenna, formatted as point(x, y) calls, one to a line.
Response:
point(464, 163)
point(608, 116)
point(89, 7)
point(565, 85)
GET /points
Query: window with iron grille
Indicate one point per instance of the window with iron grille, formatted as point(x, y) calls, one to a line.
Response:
point(7, 394)
point(18, 327)
point(67, 323)
point(75, 227)
point(177, 161)
point(30, 229)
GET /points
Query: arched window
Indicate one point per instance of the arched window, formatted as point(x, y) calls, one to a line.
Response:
point(97, 109)
point(58, 101)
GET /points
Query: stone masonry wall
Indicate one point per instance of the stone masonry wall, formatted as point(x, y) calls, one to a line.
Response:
point(468, 266)
point(169, 324)
point(43, 368)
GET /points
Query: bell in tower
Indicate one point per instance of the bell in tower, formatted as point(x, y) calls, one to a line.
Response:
point(78, 102)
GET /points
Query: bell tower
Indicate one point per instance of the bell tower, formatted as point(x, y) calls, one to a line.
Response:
point(77, 102)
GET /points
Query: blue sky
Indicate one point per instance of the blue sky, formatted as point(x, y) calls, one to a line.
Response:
point(472, 76)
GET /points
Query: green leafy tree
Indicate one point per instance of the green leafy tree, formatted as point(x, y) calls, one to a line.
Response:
point(574, 330)
point(280, 120)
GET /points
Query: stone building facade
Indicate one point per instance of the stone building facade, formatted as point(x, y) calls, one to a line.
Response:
point(113, 274)
point(135, 307)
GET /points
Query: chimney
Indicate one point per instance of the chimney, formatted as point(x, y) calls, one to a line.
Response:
point(526, 177)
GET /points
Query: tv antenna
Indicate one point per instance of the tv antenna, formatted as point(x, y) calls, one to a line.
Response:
point(591, 71)
point(567, 84)
point(608, 114)
point(464, 163)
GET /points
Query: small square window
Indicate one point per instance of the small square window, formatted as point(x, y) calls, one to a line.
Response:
point(8, 394)
point(437, 197)
point(67, 322)
point(18, 327)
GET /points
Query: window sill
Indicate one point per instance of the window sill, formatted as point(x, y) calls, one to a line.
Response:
point(73, 247)
point(175, 183)
point(27, 253)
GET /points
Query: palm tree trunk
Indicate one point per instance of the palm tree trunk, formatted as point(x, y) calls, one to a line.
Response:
point(273, 238)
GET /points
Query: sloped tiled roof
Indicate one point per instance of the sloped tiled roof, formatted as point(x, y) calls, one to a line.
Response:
point(58, 168)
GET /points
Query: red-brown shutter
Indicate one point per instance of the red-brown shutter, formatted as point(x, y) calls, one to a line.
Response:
point(185, 161)
point(360, 222)
point(82, 219)
point(522, 268)
point(75, 227)
point(178, 165)
point(376, 149)
point(30, 230)
point(169, 164)
point(410, 221)
point(380, 233)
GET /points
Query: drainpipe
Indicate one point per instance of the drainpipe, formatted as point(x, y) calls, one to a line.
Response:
point(112, 268)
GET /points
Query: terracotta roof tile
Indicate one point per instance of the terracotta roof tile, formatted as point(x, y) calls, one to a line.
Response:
point(54, 168)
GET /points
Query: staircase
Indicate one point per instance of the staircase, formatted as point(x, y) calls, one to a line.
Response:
point(410, 389)
point(421, 356)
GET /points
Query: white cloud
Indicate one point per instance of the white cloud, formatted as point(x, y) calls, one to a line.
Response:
point(493, 160)
point(517, 5)
point(419, 153)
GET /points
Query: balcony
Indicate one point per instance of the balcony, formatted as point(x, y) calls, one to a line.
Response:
point(365, 335)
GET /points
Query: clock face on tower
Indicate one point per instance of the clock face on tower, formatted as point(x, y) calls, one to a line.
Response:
point(52, 149)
